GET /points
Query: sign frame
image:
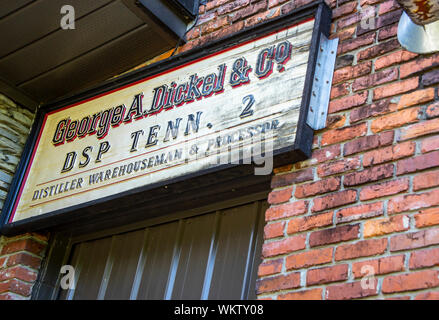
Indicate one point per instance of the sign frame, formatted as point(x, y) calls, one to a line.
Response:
point(109, 209)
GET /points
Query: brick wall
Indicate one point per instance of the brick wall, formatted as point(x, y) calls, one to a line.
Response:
point(20, 256)
point(368, 199)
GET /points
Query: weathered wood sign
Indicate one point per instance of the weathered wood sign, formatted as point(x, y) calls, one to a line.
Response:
point(241, 103)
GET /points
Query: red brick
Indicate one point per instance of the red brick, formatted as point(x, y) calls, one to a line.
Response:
point(232, 6)
point(337, 167)
point(413, 281)
point(419, 129)
point(287, 245)
point(380, 266)
point(395, 120)
point(387, 32)
point(368, 142)
point(274, 230)
point(343, 134)
point(214, 24)
point(432, 110)
point(274, 3)
point(395, 88)
point(335, 121)
point(340, 90)
point(334, 200)
point(416, 97)
point(430, 78)
point(344, 34)
point(426, 180)
point(283, 180)
point(18, 272)
point(270, 267)
point(344, 9)
point(422, 162)
point(313, 294)
point(424, 258)
point(290, 281)
point(375, 79)
point(24, 259)
point(309, 222)
point(391, 153)
point(276, 197)
point(378, 50)
point(360, 212)
point(430, 144)
point(212, 4)
point(383, 226)
point(263, 16)
point(394, 58)
point(388, 18)
point(17, 287)
point(28, 245)
point(351, 72)
point(376, 109)
point(325, 154)
point(255, 7)
point(286, 210)
point(309, 258)
point(334, 235)
point(414, 240)
point(352, 44)
point(418, 65)
point(327, 274)
point(384, 189)
point(388, 6)
point(369, 175)
point(428, 296)
point(318, 187)
point(348, 21)
point(347, 102)
point(352, 290)
point(413, 202)
point(362, 248)
point(427, 217)
point(193, 34)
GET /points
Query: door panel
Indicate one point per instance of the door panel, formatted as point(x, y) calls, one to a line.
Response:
point(209, 256)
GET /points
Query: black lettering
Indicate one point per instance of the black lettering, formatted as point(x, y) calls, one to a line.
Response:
point(172, 129)
point(193, 91)
point(104, 124)
point(60, 132)
point(136, 108)
point(135, 136)
point(117, 117)
point(264, 63)
point(152, 137)
point(85, 154)
point(158, 100)
point(194, 123)
point(71, 131)
point(69, 162)
point(103, 148)
point(83, 127)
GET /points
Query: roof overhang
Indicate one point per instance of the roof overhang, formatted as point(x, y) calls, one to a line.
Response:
point(43, 62)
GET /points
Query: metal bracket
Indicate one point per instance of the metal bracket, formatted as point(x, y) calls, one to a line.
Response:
point(322, 82)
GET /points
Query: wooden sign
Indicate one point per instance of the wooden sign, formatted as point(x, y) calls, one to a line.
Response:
point(241, 103)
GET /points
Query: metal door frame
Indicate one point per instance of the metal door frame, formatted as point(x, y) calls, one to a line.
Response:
point(59, 251)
